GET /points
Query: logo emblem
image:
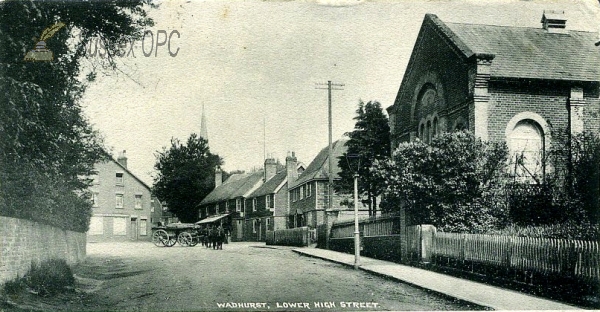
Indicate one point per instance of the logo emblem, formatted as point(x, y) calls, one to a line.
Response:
point(40, 52)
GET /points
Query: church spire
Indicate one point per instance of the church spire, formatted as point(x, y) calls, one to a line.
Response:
point(203, 131)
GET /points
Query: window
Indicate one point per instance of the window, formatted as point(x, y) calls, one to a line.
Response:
point(272, 201)
point(138, 202)
point(238, 205)
point(119, 178)
point(142, 227)
point(302, 192)
point(94, 199)
point(227, 206)
point(119, 201)
point(254, 204)
point(526, 145)
point(216, 208)
point(268, 223)
point(119, 226)
point(308, 190)
point(96, 226)
point(435, 127)
point(428, 132)
point(254, 226)
point(267, 201)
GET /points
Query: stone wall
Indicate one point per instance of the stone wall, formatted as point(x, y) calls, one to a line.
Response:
point(24, 242)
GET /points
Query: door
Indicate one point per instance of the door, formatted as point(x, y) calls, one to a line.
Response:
point(240, 230)
point(134, 229)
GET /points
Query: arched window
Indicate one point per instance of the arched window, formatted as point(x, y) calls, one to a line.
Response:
point(435, 127)
point(422, 132)
point(526, 143)
point(428, 132)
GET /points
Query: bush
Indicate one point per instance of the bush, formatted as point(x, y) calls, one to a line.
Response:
point(566, 230)
point(50, 277)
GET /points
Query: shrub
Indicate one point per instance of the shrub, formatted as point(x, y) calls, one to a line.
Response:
point(566, 230)
point(50, 277)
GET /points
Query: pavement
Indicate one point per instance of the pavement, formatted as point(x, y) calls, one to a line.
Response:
point(478, 293)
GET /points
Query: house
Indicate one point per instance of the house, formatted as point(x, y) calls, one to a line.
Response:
point(122, 208)
point(309, 196)
point(161, 213)
point(503, 83)
point(226, 203)
point(268, 207)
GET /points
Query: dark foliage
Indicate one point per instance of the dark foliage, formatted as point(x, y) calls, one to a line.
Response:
point(47, 146)
point(369, 141)
point(185, 176)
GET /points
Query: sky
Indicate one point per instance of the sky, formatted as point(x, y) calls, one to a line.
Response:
point(256, 66)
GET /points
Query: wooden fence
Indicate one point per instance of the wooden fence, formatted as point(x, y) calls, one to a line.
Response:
point(568, 258)
point(372, 226)
point(302, 236)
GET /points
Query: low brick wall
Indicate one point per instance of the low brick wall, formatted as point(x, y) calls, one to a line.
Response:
point(384, 247)
point(24, 241)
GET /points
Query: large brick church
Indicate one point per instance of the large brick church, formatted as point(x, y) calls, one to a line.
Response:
point(517, 84)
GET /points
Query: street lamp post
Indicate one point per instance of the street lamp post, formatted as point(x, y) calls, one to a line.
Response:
point(356, 228)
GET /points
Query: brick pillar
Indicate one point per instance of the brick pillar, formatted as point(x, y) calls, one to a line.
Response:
point(576, 105)
point(330, 217)
point(478, 111)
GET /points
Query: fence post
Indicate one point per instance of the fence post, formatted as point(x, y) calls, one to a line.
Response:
point(427, 236)
point(404, 234)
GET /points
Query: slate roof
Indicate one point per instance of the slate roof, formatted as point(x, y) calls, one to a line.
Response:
point(240, 186)
point(270, 186)
point(526, 52)
point(318, 169)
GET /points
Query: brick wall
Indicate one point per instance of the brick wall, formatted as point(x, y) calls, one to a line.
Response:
point(550, 102)
point(24, 241)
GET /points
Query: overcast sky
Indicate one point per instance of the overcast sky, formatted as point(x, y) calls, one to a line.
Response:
point(252, 61)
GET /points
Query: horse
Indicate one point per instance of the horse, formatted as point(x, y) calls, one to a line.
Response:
point(206, 238)
point(218, 237)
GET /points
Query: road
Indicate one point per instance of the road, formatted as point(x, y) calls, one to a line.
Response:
point(241, 277)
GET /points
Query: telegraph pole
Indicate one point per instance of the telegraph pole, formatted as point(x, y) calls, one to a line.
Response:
point(330, 86)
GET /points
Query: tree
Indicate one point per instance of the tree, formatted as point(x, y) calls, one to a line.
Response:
point(369, 141)
point(452, 183)
point(185, 176)
point(47, 146)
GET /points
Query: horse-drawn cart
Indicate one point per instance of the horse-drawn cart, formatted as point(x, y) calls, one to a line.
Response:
point(186, 234)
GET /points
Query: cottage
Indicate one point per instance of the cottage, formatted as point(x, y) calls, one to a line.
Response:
point(309, 195)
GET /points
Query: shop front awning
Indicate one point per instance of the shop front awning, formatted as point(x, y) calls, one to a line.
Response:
point(213, 218)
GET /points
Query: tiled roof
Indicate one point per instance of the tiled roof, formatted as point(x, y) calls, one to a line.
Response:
point(270, 186)
point(319, 167)
point(240, 186)
point(524, 52)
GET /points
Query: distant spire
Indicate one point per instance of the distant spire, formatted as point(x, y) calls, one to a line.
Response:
point(203, 131)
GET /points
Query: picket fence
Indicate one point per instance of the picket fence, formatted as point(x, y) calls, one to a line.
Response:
point(569, 258)
point(371, 226)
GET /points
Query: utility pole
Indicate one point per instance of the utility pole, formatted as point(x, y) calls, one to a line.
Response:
point(330, 86)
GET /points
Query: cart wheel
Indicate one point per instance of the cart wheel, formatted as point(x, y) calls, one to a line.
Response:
point(159, 238)
point(182, 238)
point(171, 240)
point(185, 239)
point(194, 241)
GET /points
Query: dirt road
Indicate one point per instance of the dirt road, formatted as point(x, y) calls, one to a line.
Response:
point(241, 277)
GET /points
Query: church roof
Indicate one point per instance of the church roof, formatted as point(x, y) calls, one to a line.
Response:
point(527, 52)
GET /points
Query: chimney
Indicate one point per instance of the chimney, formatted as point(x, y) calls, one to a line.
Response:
point(270, 168)
point(554, 21)
point(218, 177)
point(291, 167)
point(122, 159)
